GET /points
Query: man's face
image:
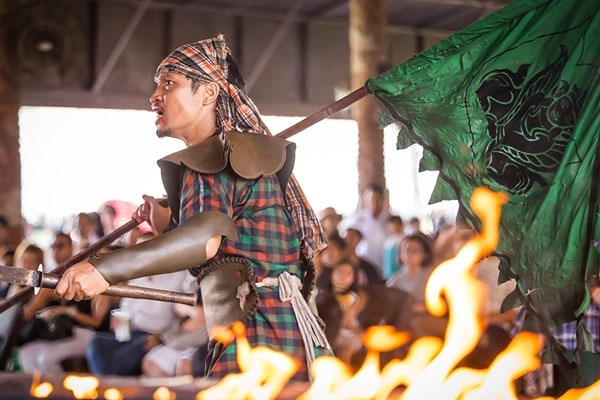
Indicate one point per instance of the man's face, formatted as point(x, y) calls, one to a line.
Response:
point(179, 110)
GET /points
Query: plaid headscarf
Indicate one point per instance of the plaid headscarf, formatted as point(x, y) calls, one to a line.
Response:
point(206, 61)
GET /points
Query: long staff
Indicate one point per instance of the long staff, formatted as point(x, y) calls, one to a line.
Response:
point(324, 112)
point(24, 294)
point(312, 119)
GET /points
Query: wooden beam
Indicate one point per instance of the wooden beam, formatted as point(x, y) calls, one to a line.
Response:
point(267, 53)
point(120, 46)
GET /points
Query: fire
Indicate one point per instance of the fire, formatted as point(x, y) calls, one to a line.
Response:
point(462, 291)
point(163, 393)
point(429, 369)
point(113, 394)
point(83, 387)
point(40, 390)
point(264, 372)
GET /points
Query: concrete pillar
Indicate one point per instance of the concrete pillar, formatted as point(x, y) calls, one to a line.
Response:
point(10, 159)
point(367, 31)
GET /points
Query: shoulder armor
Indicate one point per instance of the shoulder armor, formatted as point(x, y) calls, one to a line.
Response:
point(253, 155)
point(208, 157)
point(250, 155)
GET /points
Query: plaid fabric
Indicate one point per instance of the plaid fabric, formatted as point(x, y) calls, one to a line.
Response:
point(566, 333)
point(269, 240)
point(206, 61)
point(273, 326)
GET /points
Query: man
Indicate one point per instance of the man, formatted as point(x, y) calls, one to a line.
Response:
point(371, 221)
point(243, 224)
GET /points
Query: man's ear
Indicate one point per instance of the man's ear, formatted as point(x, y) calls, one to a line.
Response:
point(211, 92)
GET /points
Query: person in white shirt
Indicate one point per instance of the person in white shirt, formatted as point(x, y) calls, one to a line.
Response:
point(371, 222)
point(148, 319)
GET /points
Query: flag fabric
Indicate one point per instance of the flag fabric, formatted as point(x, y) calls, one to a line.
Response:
point(512, 103)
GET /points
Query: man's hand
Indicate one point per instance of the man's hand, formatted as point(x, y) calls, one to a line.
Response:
point(153, 212)
point(81, 281)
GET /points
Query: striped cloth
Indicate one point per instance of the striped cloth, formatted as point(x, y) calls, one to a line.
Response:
point(566, 333)
point(208, 61)
point(268, 239)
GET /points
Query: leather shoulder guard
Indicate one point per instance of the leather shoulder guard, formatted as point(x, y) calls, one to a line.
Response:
point(250, 155)
point(253, 155)
point(208, 157)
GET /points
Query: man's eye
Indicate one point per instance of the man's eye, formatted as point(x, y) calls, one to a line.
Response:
point(168, 84)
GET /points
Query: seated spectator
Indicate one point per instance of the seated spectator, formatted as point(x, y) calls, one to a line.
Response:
point(107, 355)
point(328, 258)
point(338, 308)
point(370, 220)
point(183, 344)
point(30, 256)
point(414, 226)
point(395, 233)
point(48, 353)
point(61, 330)
point(416, 257)
point(7, 258)
point(348, 310)
point(329, 219)
point(367, 272)
point(179, 345)
point(61, 250)
point(88, 230)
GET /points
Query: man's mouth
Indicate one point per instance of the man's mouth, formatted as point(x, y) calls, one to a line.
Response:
point(159, 114)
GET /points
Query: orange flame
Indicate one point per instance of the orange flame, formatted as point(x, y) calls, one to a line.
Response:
point(163, 393)
point(40, 390)
point(453, 281)
point(403, 372)
point(113, 394)
point(83, 387)
point(429, 369)
point(329, 373)
point(264, 372)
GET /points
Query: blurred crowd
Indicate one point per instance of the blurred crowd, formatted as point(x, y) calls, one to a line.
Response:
point(374, 271)
point(48, 334)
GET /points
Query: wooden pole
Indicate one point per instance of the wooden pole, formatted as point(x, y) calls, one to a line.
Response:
point(10, 160)
point(24, 294)
point(367, 37)
point(324, 113)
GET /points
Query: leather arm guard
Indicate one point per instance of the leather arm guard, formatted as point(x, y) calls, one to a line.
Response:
point(181, 248)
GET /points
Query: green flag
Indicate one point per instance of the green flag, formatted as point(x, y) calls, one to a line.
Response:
point(512, 103)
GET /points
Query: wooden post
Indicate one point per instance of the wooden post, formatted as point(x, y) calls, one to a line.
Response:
point(367, 35)
point(10, 159)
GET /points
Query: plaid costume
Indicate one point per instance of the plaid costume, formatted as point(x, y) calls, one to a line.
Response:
point(207, 61)
point(537, 382)
point(268, 239)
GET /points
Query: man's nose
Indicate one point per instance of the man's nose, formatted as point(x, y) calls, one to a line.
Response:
point(154, 96)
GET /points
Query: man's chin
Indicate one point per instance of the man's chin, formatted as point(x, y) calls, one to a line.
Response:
point(163, 133)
